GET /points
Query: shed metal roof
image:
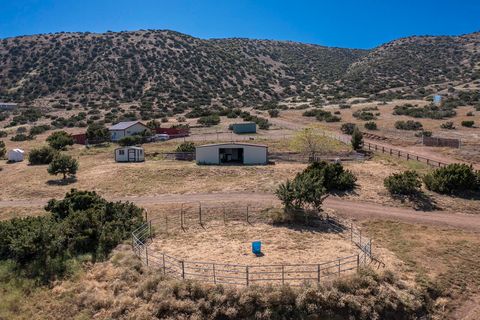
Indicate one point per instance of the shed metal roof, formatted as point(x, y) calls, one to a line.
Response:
point(233, 143)
point(125, 125)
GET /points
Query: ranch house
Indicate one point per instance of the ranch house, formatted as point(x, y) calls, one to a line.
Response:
point(126, 129)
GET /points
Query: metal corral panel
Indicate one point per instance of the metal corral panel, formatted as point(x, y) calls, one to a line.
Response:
point(244, 127)
point(250, 153)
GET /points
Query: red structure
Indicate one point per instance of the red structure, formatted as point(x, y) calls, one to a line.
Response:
point(173, 132)
point(80, 138)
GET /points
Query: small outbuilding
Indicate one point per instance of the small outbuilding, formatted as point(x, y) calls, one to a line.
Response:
point(244, 127)
point(129, 154)
point(15, 155)
point(231, 153)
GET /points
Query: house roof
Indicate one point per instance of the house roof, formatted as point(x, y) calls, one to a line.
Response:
point(125, 125)
point(233, 143)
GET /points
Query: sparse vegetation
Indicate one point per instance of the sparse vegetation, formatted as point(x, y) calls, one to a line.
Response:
point(408, 125)
point(60, 140)
point(468, 123)
point(447, 125)
point(42, 155)
point(405, 183)
point(370, 125)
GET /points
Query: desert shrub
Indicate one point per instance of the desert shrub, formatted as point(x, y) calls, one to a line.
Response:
point(357, 139)
point(344, 106)
point(130, 140)
point(63, 164)
point(210, 120)
point(309, 187)
point(81, 223)
point(60, 140)
point(3, 134)
point(39, 129)
point(468, 123)
point(453, 178)
point(43, 155)
point(364, 115)
point(405, 183)
point(186, 147)
point(470, 114)
point(423, 133)
point(21, 137)
point(447, 125)
point(408, 125)
point(3, 149)
point(273, 113)
point(347, 128)
point(430, 111)
point(370, 125)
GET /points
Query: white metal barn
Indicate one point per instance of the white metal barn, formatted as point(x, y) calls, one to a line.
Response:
point(126, 129)
point(231, 153)
point(129, 154)
point(15, 155)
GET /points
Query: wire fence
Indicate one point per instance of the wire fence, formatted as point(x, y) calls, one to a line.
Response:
point(240, 274)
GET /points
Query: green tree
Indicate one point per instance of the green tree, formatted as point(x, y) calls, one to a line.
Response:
point(97, 133)
point(60, 140)
point(453, 178)
point(130, 140)
point(63, 164)
point(357, 139)
point(43, 155)
point(309, 142)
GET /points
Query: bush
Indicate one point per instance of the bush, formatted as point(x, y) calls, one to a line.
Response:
point(3, 149)
point(186, 147)
point(273, 113)
point(468, 123)
point(408, 125)
point(447, 125)
point(63, 164)
point(453, 178)
point(209, 121)
point(308, 189)
point(97, 133)
point(405, 183)
point(81, 223)
point(130, 140)
point(60, 140)
point(3, 134)
point(357, 139)
point(39, 129)
point(347, 128)
point(364, 115)
point(20, 137)
point(430, 111)
point(43, 155)
point(370, 125)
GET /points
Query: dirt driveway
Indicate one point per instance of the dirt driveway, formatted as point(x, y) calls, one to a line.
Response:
point(346, 208)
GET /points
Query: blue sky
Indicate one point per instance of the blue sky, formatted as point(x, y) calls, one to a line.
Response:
point(355, 24)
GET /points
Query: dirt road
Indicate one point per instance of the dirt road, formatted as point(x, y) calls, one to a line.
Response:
point(346, 208)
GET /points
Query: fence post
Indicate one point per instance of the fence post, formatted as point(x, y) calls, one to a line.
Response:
point(283, 274)
point(183, 269)
point(399, 153)
point(146, 215)
point(166, 223)
point(358, 260)
point(164, 267)
point(224, 217)
point(390, 151)
point(146, 255)
point(351, 231)
point(214, 277)
point(408, 156)
point(200, 213)
point(370, 247)
point(360, 238)
point(246, 272)
point(428, 161)
point(150, 231)
point(247, 214)
point(318, 273)
point(181, 218)
point(339, 267)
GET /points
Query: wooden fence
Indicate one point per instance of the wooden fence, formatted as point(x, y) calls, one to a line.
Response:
point(239, 274)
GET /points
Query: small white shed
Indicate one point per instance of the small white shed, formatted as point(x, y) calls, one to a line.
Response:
point(129, 154)
point(231, 153)
point(15, 155)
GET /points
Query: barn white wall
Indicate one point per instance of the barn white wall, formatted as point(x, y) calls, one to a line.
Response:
point(251, 154)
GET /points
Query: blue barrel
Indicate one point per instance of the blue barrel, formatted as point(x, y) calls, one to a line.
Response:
point(257, 247)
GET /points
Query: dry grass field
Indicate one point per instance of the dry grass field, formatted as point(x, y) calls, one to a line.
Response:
point(447, 257)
